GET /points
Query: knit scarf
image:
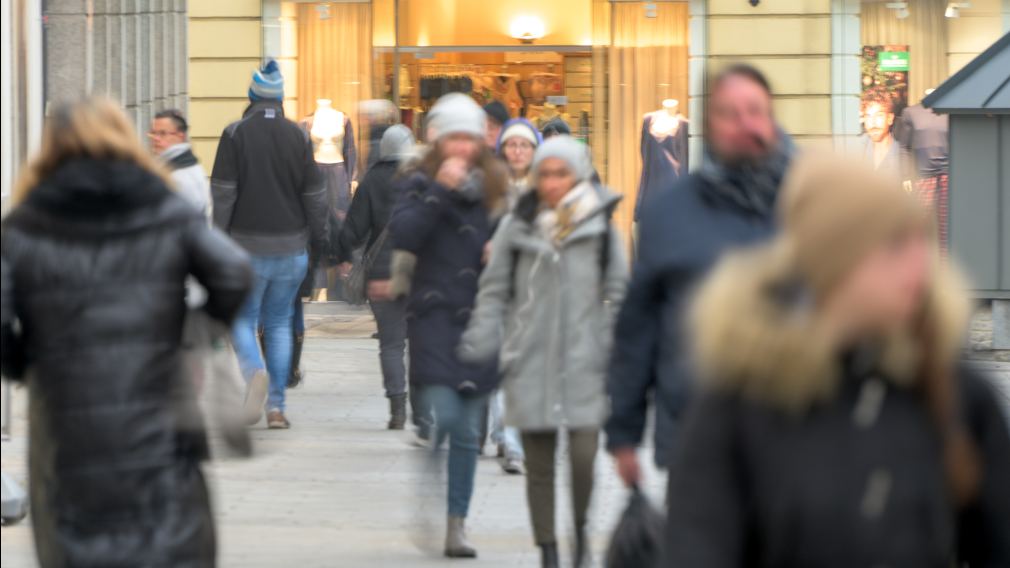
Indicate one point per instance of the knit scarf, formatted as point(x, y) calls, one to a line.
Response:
point(751, 186)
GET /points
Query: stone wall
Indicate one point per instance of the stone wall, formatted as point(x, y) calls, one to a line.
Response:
point(135, 51)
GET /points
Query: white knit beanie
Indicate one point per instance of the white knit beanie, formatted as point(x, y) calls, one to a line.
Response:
point(566, 148)
point(520, 130)
point(457, 113)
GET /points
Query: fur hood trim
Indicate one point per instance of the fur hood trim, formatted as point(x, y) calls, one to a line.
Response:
point(755, 332)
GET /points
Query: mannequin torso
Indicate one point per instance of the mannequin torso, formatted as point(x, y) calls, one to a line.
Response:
point(327, 133)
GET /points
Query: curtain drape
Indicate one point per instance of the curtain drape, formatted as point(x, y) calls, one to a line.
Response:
point(648, 63)
point(335, 60)
point(924, 31)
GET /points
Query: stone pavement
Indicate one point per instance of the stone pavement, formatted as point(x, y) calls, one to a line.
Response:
point(338, 490)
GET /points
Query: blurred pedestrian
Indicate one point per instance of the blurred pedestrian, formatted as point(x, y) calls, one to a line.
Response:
point(95, 256)
point(366, 223)
point(270, 197)
point(518, 141)
point(557, 273)
point(682, 232)
point(834, 426)
point(169, 135)
point(516, 144)
point(440, 226)
point(497, 116)
point(556, 127)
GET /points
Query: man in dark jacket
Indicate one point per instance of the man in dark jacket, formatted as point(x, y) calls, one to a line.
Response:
point(366, 220)
point(269, 196)
point(728, 203)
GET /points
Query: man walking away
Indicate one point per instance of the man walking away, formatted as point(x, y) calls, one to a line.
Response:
point(269, 196)
point(169, 136)
point(683, 231)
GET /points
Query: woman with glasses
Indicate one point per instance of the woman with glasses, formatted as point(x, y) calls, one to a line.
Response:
point(518, 141)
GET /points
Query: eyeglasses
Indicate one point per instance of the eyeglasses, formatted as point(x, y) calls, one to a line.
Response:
point(518, 145)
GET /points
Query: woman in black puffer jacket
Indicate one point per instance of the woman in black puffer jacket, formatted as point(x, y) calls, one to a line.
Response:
point(95, 259)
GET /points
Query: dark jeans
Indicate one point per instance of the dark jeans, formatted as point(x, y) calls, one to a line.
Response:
point(391, 319)
point(457, 418)
point(540, 460)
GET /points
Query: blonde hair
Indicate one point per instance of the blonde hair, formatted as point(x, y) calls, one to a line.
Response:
point(94, 127)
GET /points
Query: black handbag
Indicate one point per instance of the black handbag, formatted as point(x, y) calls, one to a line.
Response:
point(356, 286)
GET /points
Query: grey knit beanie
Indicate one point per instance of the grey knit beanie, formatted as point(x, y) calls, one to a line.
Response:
point(566, 148)
point(457, 113)
point(397, 143)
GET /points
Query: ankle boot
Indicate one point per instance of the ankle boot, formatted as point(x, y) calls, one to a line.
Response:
point(582, 552)
point(456, 544)
point(549, 555)
point(296, 376)
point(397, 412)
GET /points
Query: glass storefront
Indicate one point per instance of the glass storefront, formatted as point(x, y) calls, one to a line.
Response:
point(600, 66)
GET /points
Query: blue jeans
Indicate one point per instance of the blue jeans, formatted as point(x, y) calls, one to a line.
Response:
point(507, 436)
point(270, 305)
point(457, 417)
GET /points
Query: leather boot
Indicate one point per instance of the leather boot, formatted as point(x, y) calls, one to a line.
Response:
point(296, 376)
point(397, 412)
point(456, 544)
point(549, 555)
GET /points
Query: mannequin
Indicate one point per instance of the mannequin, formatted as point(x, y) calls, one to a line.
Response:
point(327, 133)
point(664, 150)
point(336, 157)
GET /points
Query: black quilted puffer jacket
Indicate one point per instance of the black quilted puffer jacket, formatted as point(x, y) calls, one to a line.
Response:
point(94, 268)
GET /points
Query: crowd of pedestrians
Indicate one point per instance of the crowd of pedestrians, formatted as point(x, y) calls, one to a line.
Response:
point(785, 313)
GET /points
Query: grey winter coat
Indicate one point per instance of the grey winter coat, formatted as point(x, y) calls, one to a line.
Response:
point(550, 316)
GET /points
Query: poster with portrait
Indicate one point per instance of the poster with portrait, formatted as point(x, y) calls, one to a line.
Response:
point(884, 96)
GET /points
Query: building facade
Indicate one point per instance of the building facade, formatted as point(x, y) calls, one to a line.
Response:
point(599, 64)
point(134, 51)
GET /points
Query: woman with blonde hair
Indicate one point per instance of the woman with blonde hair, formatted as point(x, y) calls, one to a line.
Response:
point(95, 257)
point(834, 426)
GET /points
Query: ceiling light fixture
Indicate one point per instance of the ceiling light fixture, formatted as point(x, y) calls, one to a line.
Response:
point(954, 9)
point(900, 9)
point(527, 29)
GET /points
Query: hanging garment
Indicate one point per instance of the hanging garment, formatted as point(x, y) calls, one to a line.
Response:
point(664, 160)
point(933, 194)
point(924, 133)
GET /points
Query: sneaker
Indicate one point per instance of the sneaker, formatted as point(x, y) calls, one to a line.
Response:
point(512, 465)
point(422, 438)
point(256, 396)
point(276, 420)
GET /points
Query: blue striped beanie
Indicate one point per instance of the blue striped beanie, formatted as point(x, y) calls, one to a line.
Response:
point(267, 83)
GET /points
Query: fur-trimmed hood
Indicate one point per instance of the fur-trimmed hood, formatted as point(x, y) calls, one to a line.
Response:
point(755, 332)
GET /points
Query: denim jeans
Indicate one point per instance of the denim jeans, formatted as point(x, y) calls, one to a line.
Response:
point(391, 320)
point(457, 417)
point(270, 305)
point(500, 433)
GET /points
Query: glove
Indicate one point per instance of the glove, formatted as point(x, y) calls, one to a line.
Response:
point(402, 269)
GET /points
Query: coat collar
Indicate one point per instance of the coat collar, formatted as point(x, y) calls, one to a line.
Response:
point(592, 223)
point(755, 333)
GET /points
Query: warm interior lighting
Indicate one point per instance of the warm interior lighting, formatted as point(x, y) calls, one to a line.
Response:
point(527, 28)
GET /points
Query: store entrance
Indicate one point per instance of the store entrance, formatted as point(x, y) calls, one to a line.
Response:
point(538, 85)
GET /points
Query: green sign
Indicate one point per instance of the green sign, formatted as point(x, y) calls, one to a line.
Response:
point(892, 60)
